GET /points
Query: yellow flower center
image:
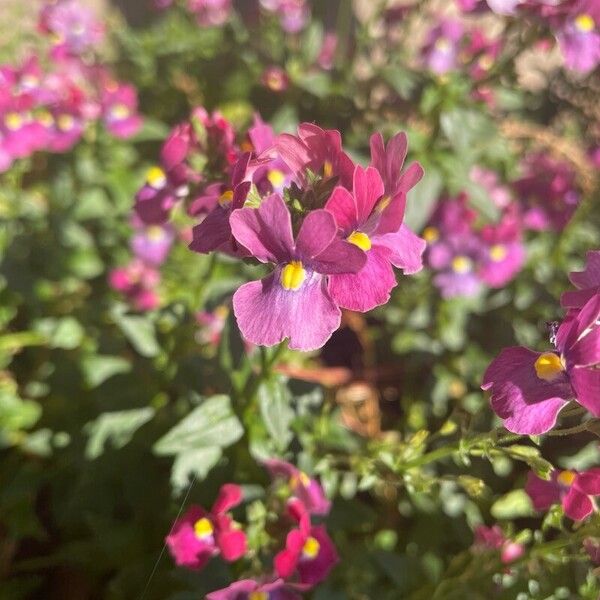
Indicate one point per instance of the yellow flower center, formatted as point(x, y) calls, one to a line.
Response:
point(45, 118)
point(498, 252)
point(119, 112)
point(585, 23)
point(431, 234)
point(485, 62)
point(301, 478)
point(548, 366)
point(258, 596)
point(311, 548)
point(442, 44)
point(221, 312)
point(327, 169)
point(293, 275)
point(276, 177)
point(65, 122)
point(155, 233)
point(203, 528)
point(566, 478)
point(226, 198)
point(155, 177)
point(29, 81)
point(360, 239)
point(461, 264)
point(13, 121)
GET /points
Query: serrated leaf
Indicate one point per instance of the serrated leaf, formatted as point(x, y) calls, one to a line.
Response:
point(117, 427)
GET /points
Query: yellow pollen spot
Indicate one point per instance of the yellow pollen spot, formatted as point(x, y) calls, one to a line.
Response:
point(156, 177)
point(498, 252)
point(300, 478)
point(246, 146)
point(155, 233)
point(258, 596)
point(225, 198)
point(442, 44)
point(13, 121)
point(311, 548)
point(431, 234)
point(293, 275)
point(461, 264)
point(276, 177)
point(65, 122)
point(119, 112)
point(585, 23)
point(548, 366)
point(485, 62)
point(45, 118)
point(203, 528)
point(327, 169)
point(221, 312)
point(360, 239)
point(566, 478)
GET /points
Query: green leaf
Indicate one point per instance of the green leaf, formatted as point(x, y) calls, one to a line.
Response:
point(212, 424)
point(513, 505)
point(139, 330)
point(117, 427)
point(97, 369)
point(65, 333)
point(274, 400)
point(196, 462)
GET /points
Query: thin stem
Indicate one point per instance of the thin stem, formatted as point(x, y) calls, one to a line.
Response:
point(570, 430)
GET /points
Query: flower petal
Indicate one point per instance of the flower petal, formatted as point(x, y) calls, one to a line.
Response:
point(342, 206)
point(577, 506)
point(406, 249)
point(368, 188)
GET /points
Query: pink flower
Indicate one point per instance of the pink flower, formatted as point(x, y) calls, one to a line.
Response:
point(275, 79)
point(440, 52)
point(137, 281)
point(199, 535)
point(293, 14)
point(293, 301)
point(309, 551)
point(210, 13)
point(372, 220)
point(528, 388)
point(571, 489)
point(249, 589)
point(119, 110)
point(579, 36)
point(587, 282)
point(492, 538)
point(304, 488)
point(152, 243)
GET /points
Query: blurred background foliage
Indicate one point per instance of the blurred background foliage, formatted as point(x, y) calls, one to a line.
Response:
point(92, 471)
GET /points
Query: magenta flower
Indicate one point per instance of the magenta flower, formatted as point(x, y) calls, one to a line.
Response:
point(309, 551)
point(547, 192)
point(137, 281)
point(492, 538)
point(293, 301)
point(571, 489)
point(372, 221)
point(156, 198)
point(304, 488)
point(210, 13)
point(528, 388)
point(275, 79)
point(318, 150)
point(152, 243)
point(440, 53)
point(579, 36)
point(119, 110)
point(199, 535)
point(504, 252)
point(249, 589)
point(211, 325)
point(587, 282)
point(293, 14)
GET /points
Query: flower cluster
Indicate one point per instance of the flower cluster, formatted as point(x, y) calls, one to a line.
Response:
point(466, 256)
point(307, 556)
point(492, 538)
point(49, 108)
point(529, 388)
point(574, 24)
point(333, 231)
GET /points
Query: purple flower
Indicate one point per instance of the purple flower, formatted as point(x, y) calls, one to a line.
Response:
point(210, 13)
point(579, 36)
point(571, 489)
point(156, 198)
point(528, 388)
point(372, 221)
point(306, 489)
point(119, 110)
point(440, 52)
point(249, 589)
point(547, 192)
point(492, 538)
point(309, 551)
point(199, 535)
point(152, 243)
point(137, 281)
point(587, 282)
point(293, 14)
point(293, 301)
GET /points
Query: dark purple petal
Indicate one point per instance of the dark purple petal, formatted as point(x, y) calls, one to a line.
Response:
point(543, 493)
